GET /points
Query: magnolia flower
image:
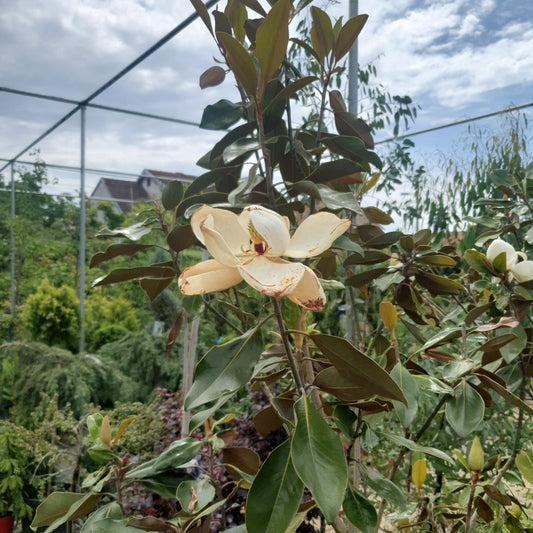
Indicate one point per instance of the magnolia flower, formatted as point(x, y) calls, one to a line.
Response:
point(248, 247)
point(522, 271)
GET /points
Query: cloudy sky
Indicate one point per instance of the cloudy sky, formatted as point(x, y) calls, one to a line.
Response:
point(456, 59)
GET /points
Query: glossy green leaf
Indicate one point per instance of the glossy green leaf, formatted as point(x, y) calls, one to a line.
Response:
point(291, 89)
point(442, 337)
point(204, 491)
point(438, 285)
point(358, 368)
point(221, 116)
point(272, 38)
point(364, 278)
point(127, 274)
point(524, 462)
point(359, 510)
point(106, 519)
point(345, 243)
point(133, 233)
point(200, 8)
point(465, 410)
point(321, 32)
point(384, 487)
point(413, 446)
point(352, 148)
point(345, 419)
point(177, 455)
point(348, 35)
point(258, 8)
point(377, 216)
point(512, 350)
point(61, 507)
point(436, 259)
point(318, 458)
point(240, 62)
point(333, 382)
point(241, 147)
point(117, 250)
point(487, 380)
point(224, 368)
point(369, 257)
point(181, 238)
point(205, 198)
point(432, 384)
point(478, 261)
point(336, 200)
point(332, 170)
point(275, 494)
point(172, 194)
point(407, 384)
point(384, 240)
point(165, 483)
point(153, 287)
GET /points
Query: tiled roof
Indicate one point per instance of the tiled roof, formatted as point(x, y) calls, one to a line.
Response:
point(167, 175)
point(130, 191)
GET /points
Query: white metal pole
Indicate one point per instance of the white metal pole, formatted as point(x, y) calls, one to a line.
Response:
point(353, 66)
point(82, 233)
point(12, 238)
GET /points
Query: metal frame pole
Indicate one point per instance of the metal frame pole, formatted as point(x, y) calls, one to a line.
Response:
point(353, 66)
point(12, 238)
point(82, 232)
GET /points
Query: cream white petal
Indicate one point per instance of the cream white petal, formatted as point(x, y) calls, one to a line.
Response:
point(223, 221)
point(271, 226)
point(309, 293)
point(497, 247)
point(273, 276)
point(216, 244)
point(523, 271)
point(316, 234)
point(208, 276)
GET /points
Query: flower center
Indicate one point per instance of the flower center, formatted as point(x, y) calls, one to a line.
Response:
point(257, 240)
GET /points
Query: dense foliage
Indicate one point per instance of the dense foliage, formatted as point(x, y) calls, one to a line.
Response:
point(387, 372)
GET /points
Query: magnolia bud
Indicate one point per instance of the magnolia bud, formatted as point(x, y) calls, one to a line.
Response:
point(476, 458)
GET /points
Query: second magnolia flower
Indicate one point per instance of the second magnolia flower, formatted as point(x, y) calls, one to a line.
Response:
point(249, 247)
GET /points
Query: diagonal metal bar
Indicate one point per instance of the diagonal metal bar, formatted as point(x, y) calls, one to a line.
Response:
point(62, 100)
point(180, 27)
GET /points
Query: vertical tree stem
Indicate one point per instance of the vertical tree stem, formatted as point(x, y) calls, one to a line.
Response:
point(288, 351)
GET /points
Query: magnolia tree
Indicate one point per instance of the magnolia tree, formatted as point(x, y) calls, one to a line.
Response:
point(417, 414)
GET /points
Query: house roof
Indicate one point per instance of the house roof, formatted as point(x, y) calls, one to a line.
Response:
point(166, 176)
point(127, 191)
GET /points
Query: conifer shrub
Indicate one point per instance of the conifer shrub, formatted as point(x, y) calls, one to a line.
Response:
point(75, 379)
point(143, 358)
point(108, 319)
point(51, 315)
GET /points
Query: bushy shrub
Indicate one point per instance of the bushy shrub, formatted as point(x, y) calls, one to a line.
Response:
point(143, 358)
point(107, 319)
point(51, 315)
point(76, 380)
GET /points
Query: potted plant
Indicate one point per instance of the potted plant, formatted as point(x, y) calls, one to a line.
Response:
point(14, 478)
